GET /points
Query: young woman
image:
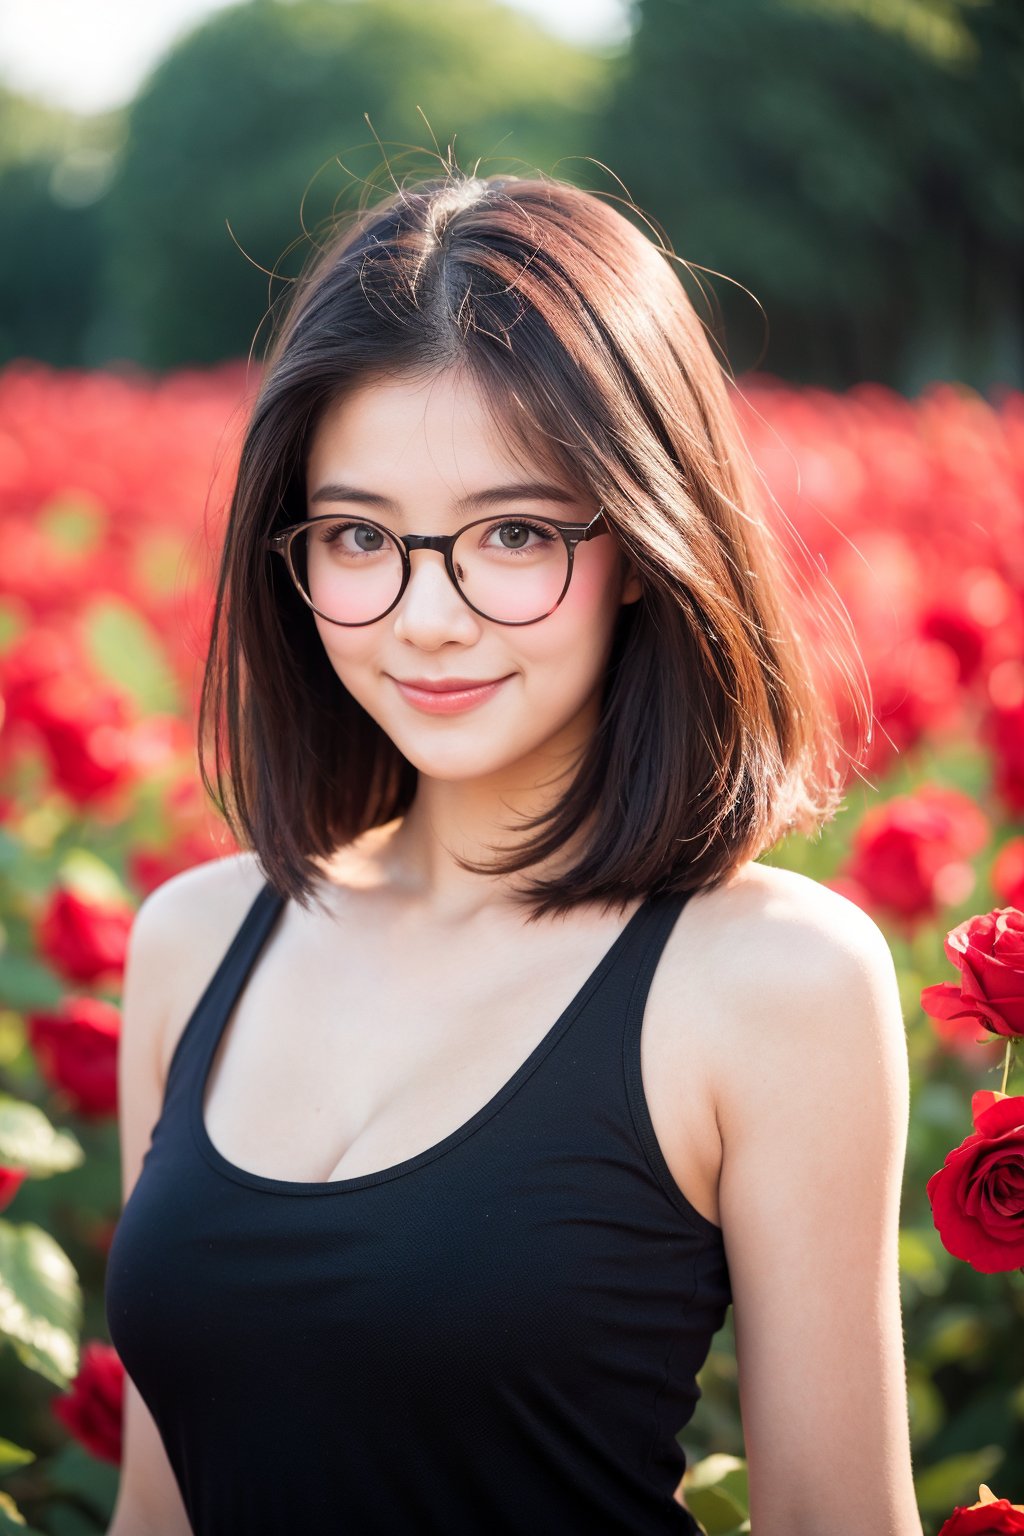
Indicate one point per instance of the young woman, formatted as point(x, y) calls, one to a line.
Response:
point(458, 1108)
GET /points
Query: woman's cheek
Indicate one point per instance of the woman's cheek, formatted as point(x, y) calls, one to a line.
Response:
point(581, 626)
point(348, 654)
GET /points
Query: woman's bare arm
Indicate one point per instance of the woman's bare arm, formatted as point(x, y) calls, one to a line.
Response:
point(813, 1109)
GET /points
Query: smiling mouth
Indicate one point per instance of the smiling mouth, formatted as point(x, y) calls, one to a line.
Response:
point(453, 698)
point(448, 684)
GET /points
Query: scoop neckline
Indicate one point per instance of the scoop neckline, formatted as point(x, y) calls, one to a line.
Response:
point(271, 1185)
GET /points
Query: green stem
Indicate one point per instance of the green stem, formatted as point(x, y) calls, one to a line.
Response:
point(1006, 1063)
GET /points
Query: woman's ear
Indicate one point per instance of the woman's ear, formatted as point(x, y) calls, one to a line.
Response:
point(632, 586)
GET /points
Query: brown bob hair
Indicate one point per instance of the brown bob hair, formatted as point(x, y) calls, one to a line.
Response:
point(716, 737)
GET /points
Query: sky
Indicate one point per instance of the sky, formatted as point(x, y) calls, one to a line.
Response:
point(92, 54)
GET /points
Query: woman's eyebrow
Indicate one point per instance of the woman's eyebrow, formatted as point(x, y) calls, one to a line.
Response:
point(527, 490)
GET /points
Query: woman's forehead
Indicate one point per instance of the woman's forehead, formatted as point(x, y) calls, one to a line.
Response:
point(407, 430)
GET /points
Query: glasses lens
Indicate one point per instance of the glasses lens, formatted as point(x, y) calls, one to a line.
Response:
point(513, 571)
point(350, 571)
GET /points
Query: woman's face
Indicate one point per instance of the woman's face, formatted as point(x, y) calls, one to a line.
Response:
point(424, 448)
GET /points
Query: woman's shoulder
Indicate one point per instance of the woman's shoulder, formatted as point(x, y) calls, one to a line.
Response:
point(767, 936)
point(768, 966)
point(763, 908)
point(210, 897)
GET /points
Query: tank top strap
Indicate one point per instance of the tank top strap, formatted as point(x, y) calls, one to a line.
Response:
point(241, 954)
point(227, 981)
point(615, 997)
point(660, 915)
point(635, 956)
point(655, 921)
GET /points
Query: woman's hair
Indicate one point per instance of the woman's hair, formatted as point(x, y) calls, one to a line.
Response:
point(715, 737)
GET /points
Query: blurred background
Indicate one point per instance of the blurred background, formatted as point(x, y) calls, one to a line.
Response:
point(853, 166)
point(842, 182)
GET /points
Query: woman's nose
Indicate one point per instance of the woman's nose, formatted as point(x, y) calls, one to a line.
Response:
point(431, 610)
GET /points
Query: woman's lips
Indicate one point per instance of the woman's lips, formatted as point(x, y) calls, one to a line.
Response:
point(447, 701)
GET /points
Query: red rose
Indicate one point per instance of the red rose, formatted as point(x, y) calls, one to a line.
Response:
point(977, 1196)
point(81, 722)
point(916, 693)
point(989, 1517)
point(40, 653)
point(989, 952)
point(86, 729)
point(76, 1049)
point(956, 626)
point(85, 940)
point(909, 853)
point(11, 1180)
point(963, 827)
point(93, 1408)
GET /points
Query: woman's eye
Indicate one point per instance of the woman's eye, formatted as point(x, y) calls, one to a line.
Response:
point(356, 538)
point(515, 536)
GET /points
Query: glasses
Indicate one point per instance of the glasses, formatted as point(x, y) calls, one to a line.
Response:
point(513, 571)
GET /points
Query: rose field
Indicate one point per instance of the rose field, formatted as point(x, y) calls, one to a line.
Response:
point(113, 490)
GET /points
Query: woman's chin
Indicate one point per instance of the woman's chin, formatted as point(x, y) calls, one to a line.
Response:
point(457, 765)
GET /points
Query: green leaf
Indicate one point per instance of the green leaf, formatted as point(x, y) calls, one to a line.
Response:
point(40, 1301)
point(954, 1482)
point(86, 1478)
point(720, 1471)
point(126, 650)
point(714, 1509)
point(90, 876)
point(74, 523)
point(13, 1456)
point(953, 1333)
point(12, 625)
point(918, 1249)
point(28, 1140)
point(925, 1403)
point(65, 1519)
point(26, 984)
point(715, 1490)
point(11, 850)
point(11, 1518)
point(12, 1036)
point(946, 1108)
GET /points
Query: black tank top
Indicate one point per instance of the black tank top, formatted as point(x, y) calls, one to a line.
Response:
point(499, 1335)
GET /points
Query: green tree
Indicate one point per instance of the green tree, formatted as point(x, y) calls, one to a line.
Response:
point(857, 164)
point(52, 171)
point(245, 115)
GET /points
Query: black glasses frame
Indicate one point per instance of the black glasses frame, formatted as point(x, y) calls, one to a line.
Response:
point(572, 534)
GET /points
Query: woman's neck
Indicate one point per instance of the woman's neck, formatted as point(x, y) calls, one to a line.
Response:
point(415, 856)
